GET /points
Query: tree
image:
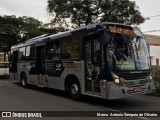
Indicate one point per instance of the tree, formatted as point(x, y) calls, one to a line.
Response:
point(156, 78)
point(8, 32)
point(15, 30)
point(84, 12)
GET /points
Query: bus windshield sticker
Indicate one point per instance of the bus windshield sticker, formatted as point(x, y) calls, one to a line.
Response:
point(138, 64)
point(46, 82)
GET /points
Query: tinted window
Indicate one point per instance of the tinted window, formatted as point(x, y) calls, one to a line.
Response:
point(70, 48)
point(30, 53)
point(22, 54)
point(53, 50)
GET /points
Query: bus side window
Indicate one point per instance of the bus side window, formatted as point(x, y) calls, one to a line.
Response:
point(22, 54)
point(30, 53)
point(53, 50)
point(70, 48)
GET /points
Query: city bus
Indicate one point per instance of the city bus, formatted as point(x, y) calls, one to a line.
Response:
point(105, 60)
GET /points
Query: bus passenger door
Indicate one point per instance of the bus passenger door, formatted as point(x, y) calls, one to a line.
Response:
point(13, 66)
point(92, 54)
point(40, 63)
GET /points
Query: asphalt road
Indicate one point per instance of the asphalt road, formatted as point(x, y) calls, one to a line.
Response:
point(13, 97)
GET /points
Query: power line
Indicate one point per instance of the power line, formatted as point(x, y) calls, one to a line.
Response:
point(155, 16)
point(151, 26)
point(152, 31)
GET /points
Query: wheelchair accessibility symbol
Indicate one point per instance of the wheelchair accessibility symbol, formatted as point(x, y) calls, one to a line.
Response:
point(138, 64)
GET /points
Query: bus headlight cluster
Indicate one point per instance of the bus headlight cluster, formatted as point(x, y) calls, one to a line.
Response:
point(116, 79)
point(150, 77)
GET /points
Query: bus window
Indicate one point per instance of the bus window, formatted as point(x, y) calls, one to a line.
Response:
point(30, 53)
point(22, 54)
point(53, 50)
point(70, 48)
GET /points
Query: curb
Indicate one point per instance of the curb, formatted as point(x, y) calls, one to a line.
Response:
point(155, 93)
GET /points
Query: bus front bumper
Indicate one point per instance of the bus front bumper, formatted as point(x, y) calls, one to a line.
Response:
point(117, 92)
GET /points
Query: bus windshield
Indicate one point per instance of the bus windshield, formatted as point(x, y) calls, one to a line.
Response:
point(128, 53)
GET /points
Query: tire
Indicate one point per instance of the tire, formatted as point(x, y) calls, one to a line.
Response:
point(24, 81)
point(74, 90)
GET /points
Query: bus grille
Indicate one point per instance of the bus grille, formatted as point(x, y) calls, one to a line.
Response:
point(135, 76)
point(137, 82)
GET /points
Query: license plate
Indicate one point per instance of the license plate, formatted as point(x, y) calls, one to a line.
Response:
point(137, 89)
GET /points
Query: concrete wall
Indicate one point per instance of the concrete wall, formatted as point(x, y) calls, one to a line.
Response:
point(152, 39)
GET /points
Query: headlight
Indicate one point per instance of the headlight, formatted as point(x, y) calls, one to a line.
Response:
point(150, 77)
point(116, 79)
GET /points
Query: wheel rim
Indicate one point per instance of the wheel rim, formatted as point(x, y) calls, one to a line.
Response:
point(74, 89)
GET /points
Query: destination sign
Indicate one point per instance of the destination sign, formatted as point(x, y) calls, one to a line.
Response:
point(121, 30)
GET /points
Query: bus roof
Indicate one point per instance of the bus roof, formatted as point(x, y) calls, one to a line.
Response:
point(46, 37)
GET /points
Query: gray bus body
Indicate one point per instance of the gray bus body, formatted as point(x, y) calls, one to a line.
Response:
point(85, 61)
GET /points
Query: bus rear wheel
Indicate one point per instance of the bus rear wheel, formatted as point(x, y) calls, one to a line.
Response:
point(74, 90)
point(24, 81)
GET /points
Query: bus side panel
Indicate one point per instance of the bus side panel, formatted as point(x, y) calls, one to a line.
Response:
point(69, 71)
point(77, 70)
point(82, 77)
point(13, 76)
point(26, 68)
point(53, 82)
point(31, 73)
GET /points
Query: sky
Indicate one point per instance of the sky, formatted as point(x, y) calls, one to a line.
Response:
point(151, 9)
point(37, 9)
point(31, 8)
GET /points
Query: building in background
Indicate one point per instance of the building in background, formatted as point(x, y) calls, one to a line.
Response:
point(2, 57)
point(154, 46)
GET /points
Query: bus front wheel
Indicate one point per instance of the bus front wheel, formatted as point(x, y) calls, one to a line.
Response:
point(74, 90)
point(24, 80)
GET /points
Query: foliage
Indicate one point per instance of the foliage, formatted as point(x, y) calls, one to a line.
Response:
point(157, 80)
point(84, 12)
point(16, 30)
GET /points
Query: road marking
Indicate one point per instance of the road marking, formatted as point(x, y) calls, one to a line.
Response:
point(4, 81)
